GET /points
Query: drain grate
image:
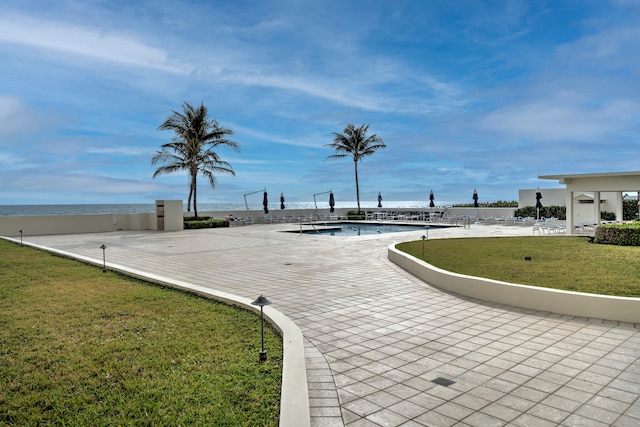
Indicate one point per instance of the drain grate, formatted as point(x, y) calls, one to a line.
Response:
point(443, 381)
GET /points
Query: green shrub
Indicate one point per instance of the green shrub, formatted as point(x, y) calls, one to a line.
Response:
point(192, 224)
point(355, 215)
point(618, 234)
point(497, 204)
point(559, 212)
point(607, 216)
point(629, 209)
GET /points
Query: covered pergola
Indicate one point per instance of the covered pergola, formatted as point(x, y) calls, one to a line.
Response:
point(615, 182)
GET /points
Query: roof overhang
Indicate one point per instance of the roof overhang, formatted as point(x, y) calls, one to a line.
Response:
point(608, 181)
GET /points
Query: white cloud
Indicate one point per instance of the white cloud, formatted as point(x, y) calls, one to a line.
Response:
point(86, 42)
point(632, 3)
point(10, 161)
point(17, 118)
point(606, 49)
point(404, 92)
point(126, 151)
point(304, 141)
point(561, 119)
point(9, 105)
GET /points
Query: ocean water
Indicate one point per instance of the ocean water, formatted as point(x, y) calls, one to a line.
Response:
point(274, 205)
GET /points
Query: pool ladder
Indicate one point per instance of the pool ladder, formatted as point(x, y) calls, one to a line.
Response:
point(312, 224)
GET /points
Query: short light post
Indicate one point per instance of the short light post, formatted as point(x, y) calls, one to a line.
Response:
point(261, 301)
point(21, 237)
point(423, 239)
point(104, 259)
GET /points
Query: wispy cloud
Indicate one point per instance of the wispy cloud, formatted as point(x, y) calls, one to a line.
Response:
point(562, 119)
point(103, 45)
point(9, 161)
point(491, 26)
point(125, 151)
point(18, 118)
point(605, 50)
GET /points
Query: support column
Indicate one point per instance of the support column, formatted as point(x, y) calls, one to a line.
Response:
point(569, 212)
point(619, 207)
point(596, 203)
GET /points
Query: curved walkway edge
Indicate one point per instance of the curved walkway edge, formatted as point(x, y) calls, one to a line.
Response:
point(294, 397)
point(620, 309)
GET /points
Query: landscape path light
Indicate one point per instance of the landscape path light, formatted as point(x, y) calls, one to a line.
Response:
point(423, 239)
point(104, 259)
point(21, 237)
point(261, 301)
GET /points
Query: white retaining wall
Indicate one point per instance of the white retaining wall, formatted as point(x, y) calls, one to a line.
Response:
point(98, 223)
point(543, 299)
point(73, 224)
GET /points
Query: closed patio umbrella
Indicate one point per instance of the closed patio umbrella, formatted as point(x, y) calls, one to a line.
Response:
point(265, 202)
point(431, 198)
point(538, 202)
point(281, 201)
point(332, 202)
point(475, 198)
point(379, 199)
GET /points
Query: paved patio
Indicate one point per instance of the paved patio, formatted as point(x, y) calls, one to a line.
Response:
point(377, 338)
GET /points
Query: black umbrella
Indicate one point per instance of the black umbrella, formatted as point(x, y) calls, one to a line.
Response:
point(281, 201)
point(379, 200)
point(538, 202)
point(431, 198)
point(265, 202)
point(475, 198)
point(332, 202)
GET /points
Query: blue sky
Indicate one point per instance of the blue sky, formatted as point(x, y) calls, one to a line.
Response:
point(466, 94)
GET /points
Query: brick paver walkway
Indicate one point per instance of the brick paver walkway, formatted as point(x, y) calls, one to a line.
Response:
point(385, 349)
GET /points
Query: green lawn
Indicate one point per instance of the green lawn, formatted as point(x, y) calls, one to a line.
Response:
point(569, 263)
point(83, 347)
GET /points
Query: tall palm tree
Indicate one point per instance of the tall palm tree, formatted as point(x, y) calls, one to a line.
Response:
point(192, 148)
point(354, 142)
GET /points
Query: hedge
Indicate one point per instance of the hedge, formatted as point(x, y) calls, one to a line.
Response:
point(191, 224)
point(355, 215)
point(559, 212)
point(629, 212)
point(618, 234)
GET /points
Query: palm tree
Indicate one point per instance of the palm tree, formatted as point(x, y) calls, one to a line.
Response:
point(192, 148)
point(355, 142)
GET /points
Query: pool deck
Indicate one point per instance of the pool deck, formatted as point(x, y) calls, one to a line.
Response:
point(376, 337)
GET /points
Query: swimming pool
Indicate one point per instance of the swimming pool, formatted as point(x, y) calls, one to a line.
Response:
point(365, 229)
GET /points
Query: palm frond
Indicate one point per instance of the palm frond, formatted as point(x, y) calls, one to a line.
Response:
point(355, 143)
point(192, 146)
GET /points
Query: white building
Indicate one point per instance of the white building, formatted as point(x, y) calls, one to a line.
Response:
point(593, 192)
point(583, 202)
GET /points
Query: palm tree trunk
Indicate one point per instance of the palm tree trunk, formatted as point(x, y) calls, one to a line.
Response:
point(355, 162)
point(195, 192)
point(190, 194)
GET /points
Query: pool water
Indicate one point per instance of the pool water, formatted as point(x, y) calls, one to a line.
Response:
point(358, 229)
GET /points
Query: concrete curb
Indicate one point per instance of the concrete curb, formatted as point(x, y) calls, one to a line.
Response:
point(294, 395)
point(622, 309)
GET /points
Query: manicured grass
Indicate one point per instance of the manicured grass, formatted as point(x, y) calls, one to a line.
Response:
point(569, 263)
point(83, 347)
